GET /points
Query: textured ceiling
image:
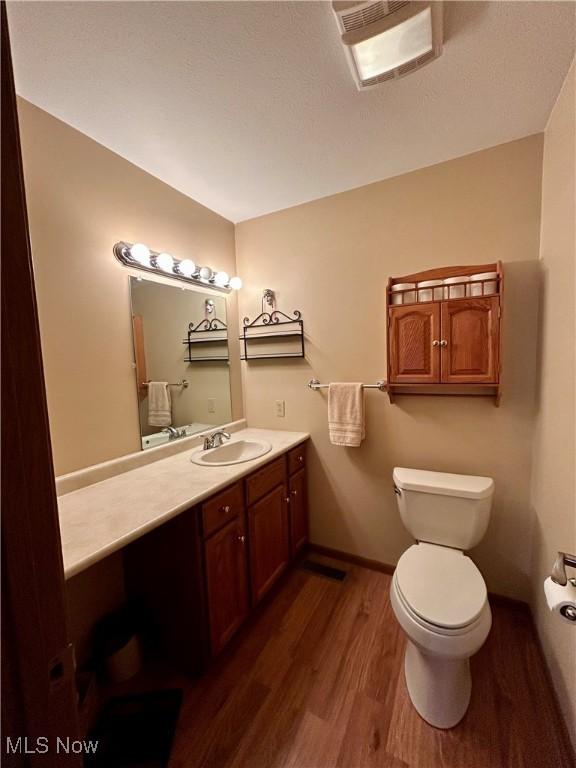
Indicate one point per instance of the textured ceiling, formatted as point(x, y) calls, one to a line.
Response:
point(250, 107)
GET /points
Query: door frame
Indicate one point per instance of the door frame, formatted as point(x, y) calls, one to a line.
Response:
point(39, 695)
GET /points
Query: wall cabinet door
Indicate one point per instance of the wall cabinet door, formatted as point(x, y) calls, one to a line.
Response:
point(226, 582)
point(298, 511)
point(470, 341)
point(269, 541)
point(413, 357)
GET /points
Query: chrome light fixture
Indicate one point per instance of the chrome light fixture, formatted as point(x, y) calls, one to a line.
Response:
point(387, 39)
point(139, 256)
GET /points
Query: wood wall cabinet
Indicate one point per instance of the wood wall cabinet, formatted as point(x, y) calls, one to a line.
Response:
point(446, 345)
point(412, 331)
point(198, 576)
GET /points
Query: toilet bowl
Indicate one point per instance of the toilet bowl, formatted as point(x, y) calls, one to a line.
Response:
point(437, 593)
point(444, 627)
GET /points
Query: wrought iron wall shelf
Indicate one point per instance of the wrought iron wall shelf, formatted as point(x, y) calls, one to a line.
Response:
point(199, 334)
point(213, 359)
point(272, 325)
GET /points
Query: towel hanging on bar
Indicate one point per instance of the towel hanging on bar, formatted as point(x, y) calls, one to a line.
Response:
point(381, 385)
point(159, 404)
point(346, 414)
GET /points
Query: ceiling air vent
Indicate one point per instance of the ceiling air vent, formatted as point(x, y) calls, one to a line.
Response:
point(387, 40)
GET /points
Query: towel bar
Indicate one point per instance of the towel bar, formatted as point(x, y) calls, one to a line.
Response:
point(381, 385)
point(183, 383)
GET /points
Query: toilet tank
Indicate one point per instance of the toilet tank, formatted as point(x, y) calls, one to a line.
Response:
point(442, 508)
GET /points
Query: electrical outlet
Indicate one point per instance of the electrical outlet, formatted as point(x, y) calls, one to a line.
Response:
point(211, 405)
point(280, 409)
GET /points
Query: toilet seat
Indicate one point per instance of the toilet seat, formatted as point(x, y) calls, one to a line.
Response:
point(441, 587)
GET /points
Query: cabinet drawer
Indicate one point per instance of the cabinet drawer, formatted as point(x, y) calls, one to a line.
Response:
point(263, 481)
point(297, 458)
point(222, 508)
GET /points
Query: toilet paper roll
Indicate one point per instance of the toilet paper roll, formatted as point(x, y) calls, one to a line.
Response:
point(559, 597)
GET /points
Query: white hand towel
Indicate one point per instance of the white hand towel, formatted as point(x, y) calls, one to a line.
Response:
point(159, 405)
point(346, 414)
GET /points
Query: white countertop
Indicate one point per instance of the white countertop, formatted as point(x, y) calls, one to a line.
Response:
point(102, 518)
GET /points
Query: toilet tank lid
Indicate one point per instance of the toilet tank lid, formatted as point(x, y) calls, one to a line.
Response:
point(443, 483)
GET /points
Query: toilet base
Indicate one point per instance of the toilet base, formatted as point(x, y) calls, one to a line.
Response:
point(439, 688)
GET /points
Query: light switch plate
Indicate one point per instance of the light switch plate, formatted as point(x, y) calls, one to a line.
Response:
point(211, 405)
point(280, 408)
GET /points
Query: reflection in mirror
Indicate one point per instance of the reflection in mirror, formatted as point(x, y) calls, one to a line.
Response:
point(182, 376)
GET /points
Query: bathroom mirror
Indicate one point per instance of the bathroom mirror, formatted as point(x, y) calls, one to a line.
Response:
point(180, 337)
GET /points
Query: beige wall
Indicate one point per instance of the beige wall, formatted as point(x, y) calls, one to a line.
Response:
point(331, 259)
point(553, 477)
point(82, 198)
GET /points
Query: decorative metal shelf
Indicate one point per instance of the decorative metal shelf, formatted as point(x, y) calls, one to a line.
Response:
point(265, 327)
point(273, 355)
point(281, 335)
point(206, 359)
point(198, 334)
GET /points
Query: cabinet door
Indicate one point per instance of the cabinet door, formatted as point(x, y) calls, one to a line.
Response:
point(298, 511)
point(413, 357)
point(269, 541)
point(226, 582)
point(470, 341)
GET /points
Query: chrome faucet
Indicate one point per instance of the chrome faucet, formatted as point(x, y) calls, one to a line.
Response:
point(174, 433)
point(216, 439)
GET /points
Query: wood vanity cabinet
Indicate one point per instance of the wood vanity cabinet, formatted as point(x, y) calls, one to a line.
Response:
point(226, 567)
point(446, 345)
point(269, 541)
point(198, 575)
point(268, 526)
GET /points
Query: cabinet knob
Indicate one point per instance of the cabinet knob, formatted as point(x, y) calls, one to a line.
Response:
point(294, 493)
point(435, 343)
point(226, 509)
point(241, 539)
point(300, 458)
point(287, 499)
point(443, 343)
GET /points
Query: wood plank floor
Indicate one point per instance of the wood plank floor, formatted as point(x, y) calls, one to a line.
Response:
point(316, 681)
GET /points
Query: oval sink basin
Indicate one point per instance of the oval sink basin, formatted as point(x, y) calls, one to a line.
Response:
point(231, 453)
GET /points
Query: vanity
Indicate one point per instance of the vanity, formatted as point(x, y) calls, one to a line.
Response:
point(202, 546)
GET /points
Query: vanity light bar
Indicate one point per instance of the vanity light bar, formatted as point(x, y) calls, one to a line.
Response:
point(139, 256)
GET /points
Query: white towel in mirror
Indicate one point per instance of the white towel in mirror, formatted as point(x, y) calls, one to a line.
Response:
point(159, 404)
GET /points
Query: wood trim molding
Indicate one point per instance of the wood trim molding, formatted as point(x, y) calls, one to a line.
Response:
point(347, 557)
point(40, 655)
point(377, 565)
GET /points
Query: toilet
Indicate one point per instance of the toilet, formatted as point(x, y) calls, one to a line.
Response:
point(438, 594)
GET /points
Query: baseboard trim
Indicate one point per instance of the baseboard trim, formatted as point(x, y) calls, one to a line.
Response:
point(347, 557)
point(509, 602)
point(377, 565)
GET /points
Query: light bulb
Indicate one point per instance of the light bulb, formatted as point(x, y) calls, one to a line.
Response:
point(236, 283)
point(140, 253)
point(187, 267)
point(221, 278)
point(165, 262)
point(205, 273)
